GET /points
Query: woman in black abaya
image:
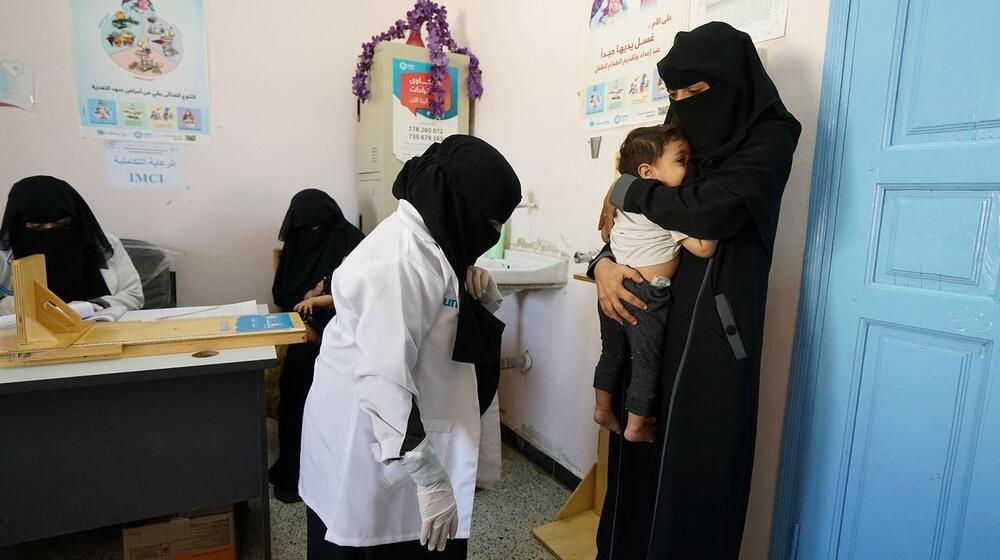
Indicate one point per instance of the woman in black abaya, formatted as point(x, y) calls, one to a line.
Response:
point(317, 237)
point(83, 263)
point(685, 495)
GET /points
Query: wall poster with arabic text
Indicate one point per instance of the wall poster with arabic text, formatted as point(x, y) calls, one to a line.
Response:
point(141, 70)
point(625, 40)
point(413, 128)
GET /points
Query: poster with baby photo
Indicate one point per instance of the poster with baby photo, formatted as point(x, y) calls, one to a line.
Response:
point(624, 40)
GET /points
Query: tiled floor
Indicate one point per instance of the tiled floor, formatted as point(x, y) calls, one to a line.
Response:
point(501, 524)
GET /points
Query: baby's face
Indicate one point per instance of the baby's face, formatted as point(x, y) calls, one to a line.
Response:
point(672, 165)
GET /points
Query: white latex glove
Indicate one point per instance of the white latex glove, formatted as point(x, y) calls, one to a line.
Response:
point(439, 514)
point(438, 509)
point(477, 281)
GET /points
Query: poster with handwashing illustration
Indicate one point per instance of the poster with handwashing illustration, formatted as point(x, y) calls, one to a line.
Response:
point(141, 70)
point(624, 40)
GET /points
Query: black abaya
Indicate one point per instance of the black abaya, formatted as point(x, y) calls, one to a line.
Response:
point(685, 496)
point(293, 386)
point(318, 548)
point(317, 238)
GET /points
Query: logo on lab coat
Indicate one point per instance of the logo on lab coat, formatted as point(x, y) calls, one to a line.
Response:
point(451, 302)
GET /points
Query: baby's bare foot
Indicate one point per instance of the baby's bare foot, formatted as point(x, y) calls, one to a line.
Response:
point(606, 418)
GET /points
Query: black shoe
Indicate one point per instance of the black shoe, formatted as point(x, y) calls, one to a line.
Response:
point(287, 496)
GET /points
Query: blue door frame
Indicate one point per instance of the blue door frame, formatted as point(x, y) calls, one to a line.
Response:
point(816, 265)
point(893, 412)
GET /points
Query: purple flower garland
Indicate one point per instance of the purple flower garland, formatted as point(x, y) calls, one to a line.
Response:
point(435, 17)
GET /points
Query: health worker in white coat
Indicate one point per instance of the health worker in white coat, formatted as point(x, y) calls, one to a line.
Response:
point(391, 431)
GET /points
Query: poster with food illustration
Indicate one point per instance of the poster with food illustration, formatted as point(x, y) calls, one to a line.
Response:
point(142, 70)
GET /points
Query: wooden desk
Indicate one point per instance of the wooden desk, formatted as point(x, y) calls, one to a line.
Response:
point(91, 444)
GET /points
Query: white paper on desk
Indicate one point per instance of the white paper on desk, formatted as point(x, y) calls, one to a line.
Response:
point(242, 308)
point(107, 315)
point(762, 19)
point(84, 309)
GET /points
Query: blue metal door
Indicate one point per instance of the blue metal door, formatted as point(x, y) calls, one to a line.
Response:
point(900, 442)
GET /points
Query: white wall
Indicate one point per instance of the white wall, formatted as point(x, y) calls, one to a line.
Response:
point(283, 116)
point(531, 56)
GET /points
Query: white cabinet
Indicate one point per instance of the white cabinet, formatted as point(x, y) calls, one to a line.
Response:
point(391, 126)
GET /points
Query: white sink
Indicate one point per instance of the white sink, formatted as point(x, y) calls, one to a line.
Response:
point(521, 268)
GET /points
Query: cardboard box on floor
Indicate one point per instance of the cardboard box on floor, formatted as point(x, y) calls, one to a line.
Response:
point(199, 535)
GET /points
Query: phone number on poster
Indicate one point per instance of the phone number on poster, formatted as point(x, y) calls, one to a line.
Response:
point(425, 134)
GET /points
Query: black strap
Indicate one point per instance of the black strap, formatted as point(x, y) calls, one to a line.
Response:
point(414, 430)
point(729, 326)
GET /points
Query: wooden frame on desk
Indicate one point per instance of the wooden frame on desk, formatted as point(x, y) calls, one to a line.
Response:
point(49, 331)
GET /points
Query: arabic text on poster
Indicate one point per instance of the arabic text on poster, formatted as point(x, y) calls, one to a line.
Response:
point(625, 40)
point(141, 70)
point(413, 129)
point(144, 165)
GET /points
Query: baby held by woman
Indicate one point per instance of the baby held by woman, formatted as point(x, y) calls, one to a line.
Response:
point(660, 153)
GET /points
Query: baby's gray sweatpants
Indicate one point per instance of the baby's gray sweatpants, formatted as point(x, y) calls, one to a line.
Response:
point(644, 341)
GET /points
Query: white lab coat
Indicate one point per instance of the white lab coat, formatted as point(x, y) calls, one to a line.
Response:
point(124, 285)
point(393, 336)
point(490, 471)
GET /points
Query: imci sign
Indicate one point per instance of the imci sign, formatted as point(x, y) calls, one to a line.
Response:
point(150, 178)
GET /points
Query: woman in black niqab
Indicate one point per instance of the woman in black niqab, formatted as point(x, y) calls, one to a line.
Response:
point(463, 189)
point(685, 495)
point(316, 238)
point(46, 216)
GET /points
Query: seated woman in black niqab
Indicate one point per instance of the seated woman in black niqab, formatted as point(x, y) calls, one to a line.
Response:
point(83, 263)
point(316, 238)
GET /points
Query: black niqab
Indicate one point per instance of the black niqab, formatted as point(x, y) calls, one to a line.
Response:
point(317, 237)
point(457, 186)
point(74, 254)
point(742, 101)
point(727, 60)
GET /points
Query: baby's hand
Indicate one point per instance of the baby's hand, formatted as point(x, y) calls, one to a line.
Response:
point(317, 290)
point(305, 307)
